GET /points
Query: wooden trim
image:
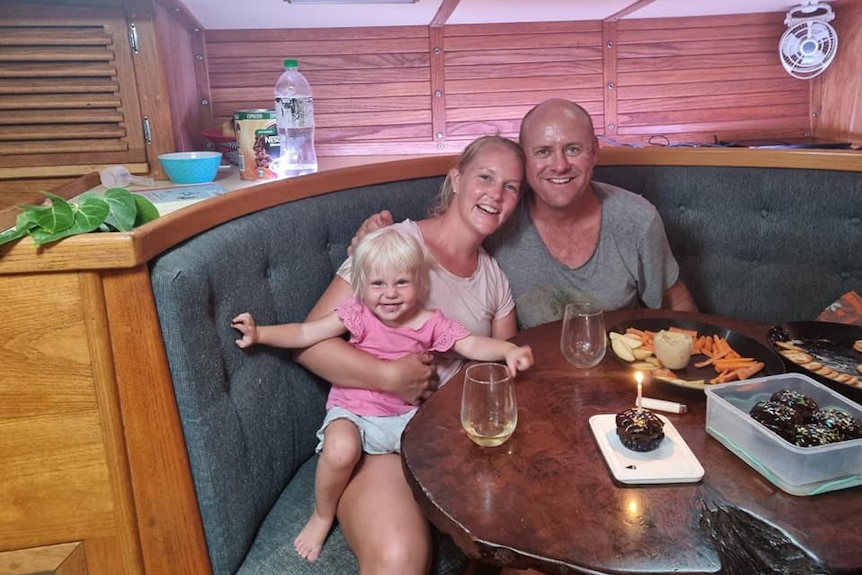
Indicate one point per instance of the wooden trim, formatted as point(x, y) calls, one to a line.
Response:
point(609, 39)
point(629, 10)
point(107, 397)
point(815, 98)
point(437, 59)
point(130, 249)
point(168, 518)
point(152, 85)
point(206, 117)
point(181, 14)
point(444, 12)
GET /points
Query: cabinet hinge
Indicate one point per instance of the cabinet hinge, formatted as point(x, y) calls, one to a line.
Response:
point(133, 37)
point(148, 130)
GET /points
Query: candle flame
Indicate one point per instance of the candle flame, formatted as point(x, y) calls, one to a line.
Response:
point(639, 377)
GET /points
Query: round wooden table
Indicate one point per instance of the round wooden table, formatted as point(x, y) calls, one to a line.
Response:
point(546, 499)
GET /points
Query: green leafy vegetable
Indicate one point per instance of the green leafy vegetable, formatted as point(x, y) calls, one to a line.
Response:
point(123, 210)
point(118, 210)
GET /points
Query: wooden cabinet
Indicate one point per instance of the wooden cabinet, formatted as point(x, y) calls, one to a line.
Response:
point(81, 87)
point(94, 473)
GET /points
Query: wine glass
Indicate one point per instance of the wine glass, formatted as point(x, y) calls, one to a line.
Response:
point(583, 340)
point(489, 410)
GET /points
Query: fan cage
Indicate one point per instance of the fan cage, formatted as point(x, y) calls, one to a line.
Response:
point(807, 48)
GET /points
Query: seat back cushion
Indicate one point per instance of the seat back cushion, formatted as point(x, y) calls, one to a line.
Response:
point(764, 244)
point(249, 417)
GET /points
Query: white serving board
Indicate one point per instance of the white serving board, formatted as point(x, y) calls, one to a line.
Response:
point(671, 462)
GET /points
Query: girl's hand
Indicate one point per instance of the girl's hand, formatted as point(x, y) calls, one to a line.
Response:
point(244, 323)
point(519, 359)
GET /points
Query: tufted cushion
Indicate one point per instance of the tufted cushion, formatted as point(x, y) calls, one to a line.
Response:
point(765, 244)
point(250, 417)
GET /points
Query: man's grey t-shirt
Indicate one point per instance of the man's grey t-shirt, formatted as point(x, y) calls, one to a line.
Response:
point(632, 265)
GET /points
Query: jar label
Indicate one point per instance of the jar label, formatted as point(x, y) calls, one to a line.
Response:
point(258, 143)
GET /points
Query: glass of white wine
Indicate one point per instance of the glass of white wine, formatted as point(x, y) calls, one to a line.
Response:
point(583, 340)
point(489, 410)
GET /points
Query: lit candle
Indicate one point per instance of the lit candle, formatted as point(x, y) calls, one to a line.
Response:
point(639, 377)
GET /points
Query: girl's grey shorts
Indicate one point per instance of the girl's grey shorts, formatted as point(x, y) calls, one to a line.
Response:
point(379, 434)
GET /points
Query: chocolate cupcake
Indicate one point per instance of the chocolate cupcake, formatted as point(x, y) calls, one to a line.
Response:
point(813, 434)
point(779, 417)
point(639, 430)
point(798, 419)
point(803, 405)
point(839, 420)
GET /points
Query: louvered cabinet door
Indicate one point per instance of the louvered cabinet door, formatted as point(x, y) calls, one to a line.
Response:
point(68, 94)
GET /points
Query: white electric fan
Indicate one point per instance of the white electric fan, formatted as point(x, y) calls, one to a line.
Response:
point(808, 45)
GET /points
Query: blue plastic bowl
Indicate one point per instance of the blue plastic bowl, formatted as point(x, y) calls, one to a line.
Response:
point(191, 167)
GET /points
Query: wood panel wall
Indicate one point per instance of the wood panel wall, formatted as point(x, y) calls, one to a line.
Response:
point(696, 80)
point(495, 73)
point(371, 85)
point(837, 101)
point(416, 90)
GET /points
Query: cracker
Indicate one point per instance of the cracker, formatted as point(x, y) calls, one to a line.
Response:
point(799, 357)
point(787, 345)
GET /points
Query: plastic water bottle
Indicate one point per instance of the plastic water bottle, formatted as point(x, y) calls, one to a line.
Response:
point(294, 112)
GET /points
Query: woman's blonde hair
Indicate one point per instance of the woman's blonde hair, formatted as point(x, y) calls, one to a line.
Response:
point(444, 197)
point(390, 248)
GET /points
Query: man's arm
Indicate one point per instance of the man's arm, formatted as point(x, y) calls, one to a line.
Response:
point(678, 298)
point(412, 378)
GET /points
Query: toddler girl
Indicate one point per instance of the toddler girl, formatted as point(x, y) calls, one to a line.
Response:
point(387, 318)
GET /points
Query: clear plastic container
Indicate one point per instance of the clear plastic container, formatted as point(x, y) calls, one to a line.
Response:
point(294, 109)
point(796, 470)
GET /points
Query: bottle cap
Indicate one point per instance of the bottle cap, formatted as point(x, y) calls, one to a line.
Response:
point(291, 64)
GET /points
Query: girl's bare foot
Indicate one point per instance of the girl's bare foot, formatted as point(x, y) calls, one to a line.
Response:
point(310, 540)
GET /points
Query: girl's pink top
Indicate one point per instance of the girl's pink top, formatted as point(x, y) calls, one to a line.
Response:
point(370, 334)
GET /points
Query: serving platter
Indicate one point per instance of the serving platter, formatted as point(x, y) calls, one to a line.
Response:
point(671, 462)
point(692, 377)
point(833, 359)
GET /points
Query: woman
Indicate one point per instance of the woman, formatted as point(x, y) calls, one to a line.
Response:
point(378, 515)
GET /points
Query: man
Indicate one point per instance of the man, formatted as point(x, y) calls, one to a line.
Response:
point(577, 238)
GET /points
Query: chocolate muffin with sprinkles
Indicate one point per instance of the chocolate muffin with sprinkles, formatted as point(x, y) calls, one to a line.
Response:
point(779, 417)
point(803, 405)
point(835, 418)
point(812, 434)
point(798, 419)
point(639, 429)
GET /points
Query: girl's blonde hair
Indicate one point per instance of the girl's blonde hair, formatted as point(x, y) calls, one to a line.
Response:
point(390, 248)
point(444, 197)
